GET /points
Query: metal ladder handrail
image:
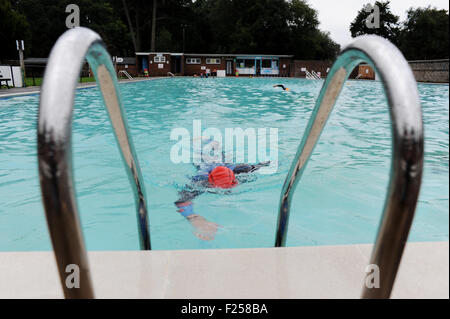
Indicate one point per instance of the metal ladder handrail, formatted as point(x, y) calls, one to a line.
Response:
point(309, 76)
point(314, 73)
point(407, 154)
point(126, 74)
point(55, 149)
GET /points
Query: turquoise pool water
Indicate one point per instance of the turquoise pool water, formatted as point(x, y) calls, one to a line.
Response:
point(338, 201)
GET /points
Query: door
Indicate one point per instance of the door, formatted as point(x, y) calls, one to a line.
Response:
point(176, 65)
point(144, 63)
point(229, 67)
point(258, 66)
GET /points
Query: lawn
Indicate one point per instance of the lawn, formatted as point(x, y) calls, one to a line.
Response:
point(38, 81)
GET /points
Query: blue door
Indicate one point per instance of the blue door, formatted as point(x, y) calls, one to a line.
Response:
point(144, 63)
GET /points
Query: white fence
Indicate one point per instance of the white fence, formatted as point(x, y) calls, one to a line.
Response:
point(13, 73)
point(221, 73)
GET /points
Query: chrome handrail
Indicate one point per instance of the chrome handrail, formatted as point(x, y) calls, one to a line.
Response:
point(407, 155)
point(55, 149)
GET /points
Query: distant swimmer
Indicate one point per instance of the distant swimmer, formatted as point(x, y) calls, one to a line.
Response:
point(281, 86)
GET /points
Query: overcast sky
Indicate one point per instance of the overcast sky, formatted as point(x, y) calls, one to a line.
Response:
point(335, 16)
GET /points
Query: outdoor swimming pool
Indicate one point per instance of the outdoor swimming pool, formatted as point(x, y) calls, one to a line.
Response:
point(338, 201)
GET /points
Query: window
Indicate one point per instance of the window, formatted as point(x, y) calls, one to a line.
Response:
point(245, 63)
point(159, 58)
point(249, 63)
point(266, 64)
point(193, 60)
point(213, 61)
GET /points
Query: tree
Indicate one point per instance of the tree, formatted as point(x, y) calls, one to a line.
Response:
point(164, 40)
point(152, 45)
point(425, 34)
point(203, 26)
point(130, 25)
point(306, 40)
point(328, 48)
point(388, 23)
point(47, 22)
point(100, 16)
point(266, 27)
point(261, 26)
point(146, 19)
point(13, 26)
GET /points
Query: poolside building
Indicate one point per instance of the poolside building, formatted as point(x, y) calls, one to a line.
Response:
point(160, 63)
point(127, 64)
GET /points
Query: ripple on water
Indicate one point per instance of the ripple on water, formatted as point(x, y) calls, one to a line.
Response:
point(338, 201)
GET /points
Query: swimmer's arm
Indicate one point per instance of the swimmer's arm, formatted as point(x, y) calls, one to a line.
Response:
point(184, 203)
point(204, 229)
point(247, 168)
point(281, 86)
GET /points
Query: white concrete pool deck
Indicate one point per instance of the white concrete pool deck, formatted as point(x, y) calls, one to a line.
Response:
point(295, 272)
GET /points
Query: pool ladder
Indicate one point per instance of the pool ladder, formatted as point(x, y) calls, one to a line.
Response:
point(55, 149)
point(55, 158)
point(407, 150)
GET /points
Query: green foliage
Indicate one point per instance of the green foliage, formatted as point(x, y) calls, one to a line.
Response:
point(306, 40)
point(266, 26)
point(425, 34)
point(164, 40)
point(47, 20)
point(99, 16)
point(215, 26)
point(13, 26)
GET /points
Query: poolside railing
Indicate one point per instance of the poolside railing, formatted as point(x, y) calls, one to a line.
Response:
point(407, 150)
point(55, 149)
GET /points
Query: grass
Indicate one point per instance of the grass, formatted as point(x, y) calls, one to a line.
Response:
point(29, 81)
point(38, 81)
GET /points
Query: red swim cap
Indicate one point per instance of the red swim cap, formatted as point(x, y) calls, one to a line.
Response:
point(222, 177)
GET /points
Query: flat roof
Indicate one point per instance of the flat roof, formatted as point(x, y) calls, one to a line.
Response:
point(128, 60)
point(35, 60)
point(239, 55)
point(147, 53)
point(428, 61)
point(220, 54)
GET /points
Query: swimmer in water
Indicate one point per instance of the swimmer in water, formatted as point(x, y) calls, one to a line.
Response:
point(281, 86)
point(210, 175)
